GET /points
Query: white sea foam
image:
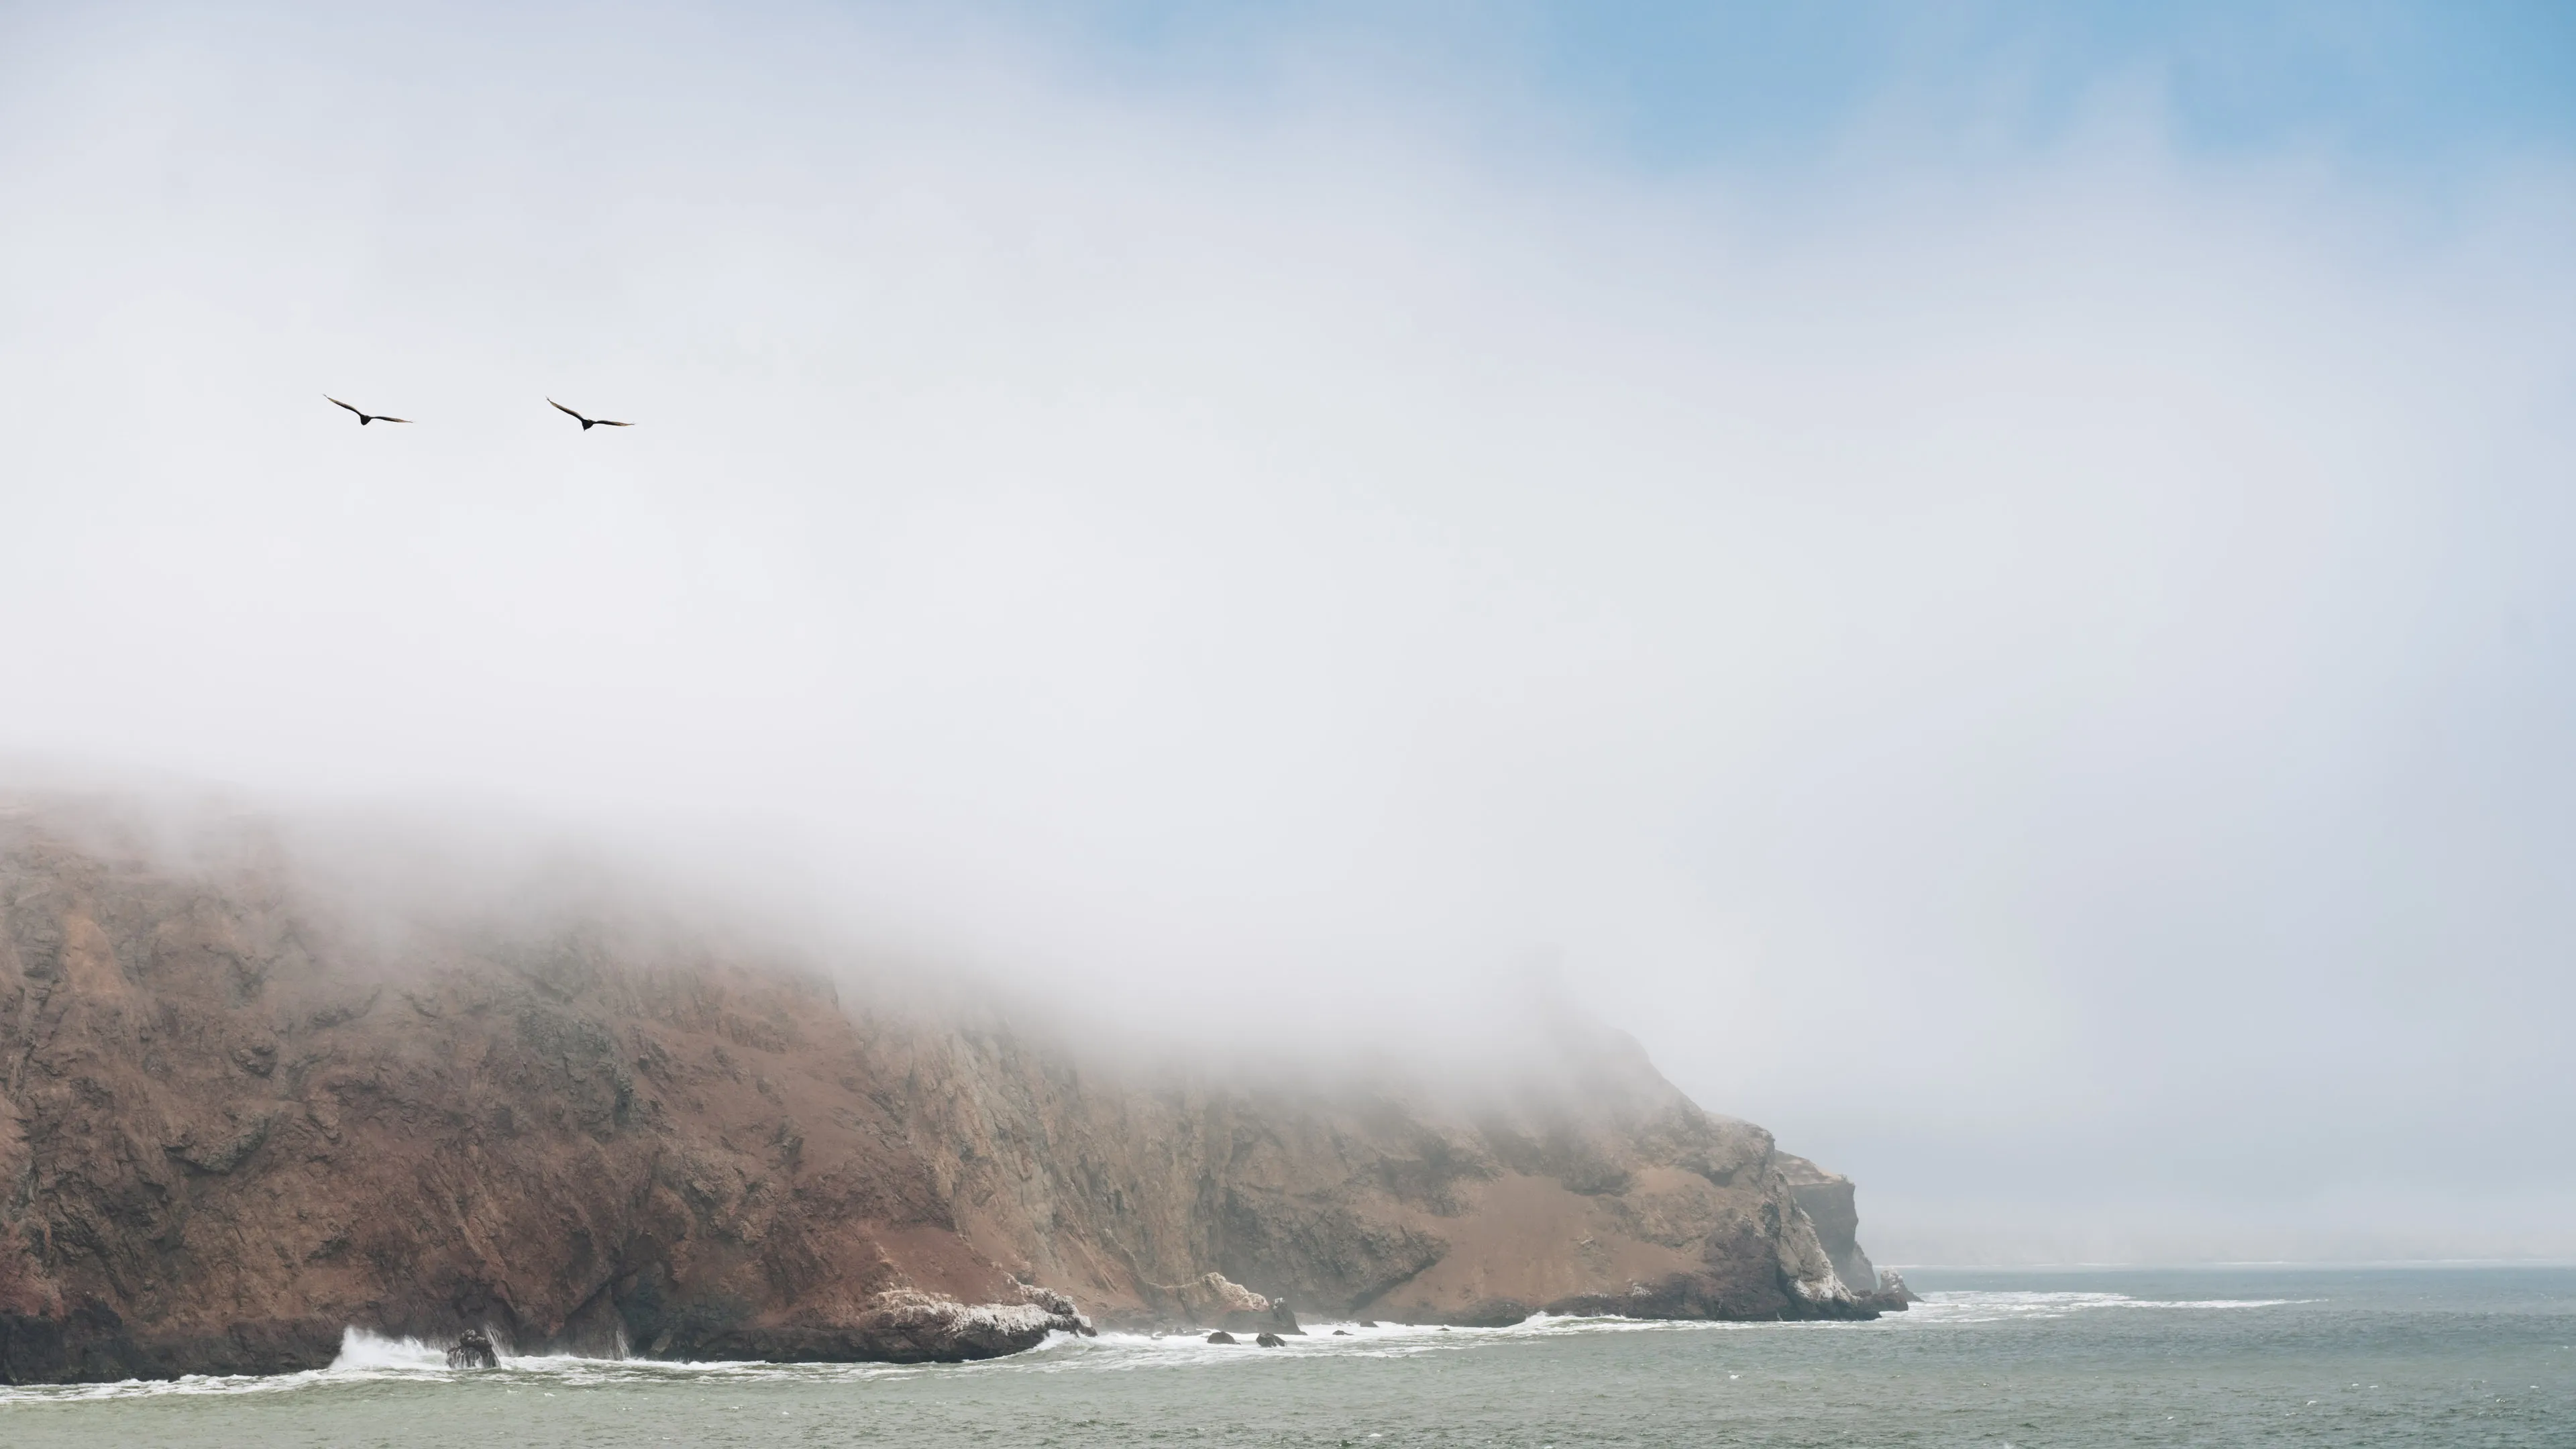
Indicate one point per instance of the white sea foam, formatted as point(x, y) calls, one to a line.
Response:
point(364, 1353)
point(1989, 1307)
point(367, 1357)
point(372, 1358)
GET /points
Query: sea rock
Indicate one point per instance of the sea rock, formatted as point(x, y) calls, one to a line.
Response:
point(472, 1349)
point(1271, 1340)
point(249, 1100)
point(901, 1325)
point(1061, 1314)
point(1220, 1336)
point(1892, 1295)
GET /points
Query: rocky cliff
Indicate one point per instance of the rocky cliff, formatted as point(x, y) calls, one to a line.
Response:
point(1827, 1200)
point(238, 1115)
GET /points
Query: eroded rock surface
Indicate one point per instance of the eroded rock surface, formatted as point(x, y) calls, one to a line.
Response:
point(237, 1118)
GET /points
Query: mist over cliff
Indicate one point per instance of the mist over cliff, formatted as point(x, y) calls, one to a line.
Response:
point(251, 1104)
point(2012, 645)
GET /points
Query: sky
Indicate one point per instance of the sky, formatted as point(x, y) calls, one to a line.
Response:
point(1987, 580)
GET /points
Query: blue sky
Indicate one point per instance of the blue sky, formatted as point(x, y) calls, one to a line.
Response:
point(1681, 85)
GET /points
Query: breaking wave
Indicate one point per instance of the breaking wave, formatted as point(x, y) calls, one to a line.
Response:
point(367, 1357)
point(364, 1353)
point(1993, 1307)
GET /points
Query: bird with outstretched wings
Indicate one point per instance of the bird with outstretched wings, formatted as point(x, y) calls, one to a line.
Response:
point(588, 423)
point(364, 417)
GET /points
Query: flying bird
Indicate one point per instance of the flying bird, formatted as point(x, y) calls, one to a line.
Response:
point(365, 418)
point(588, 423)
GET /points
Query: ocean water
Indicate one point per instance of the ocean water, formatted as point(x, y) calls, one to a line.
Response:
point(2432, 1356)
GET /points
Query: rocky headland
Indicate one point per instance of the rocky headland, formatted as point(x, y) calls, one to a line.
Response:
point(240, 1114)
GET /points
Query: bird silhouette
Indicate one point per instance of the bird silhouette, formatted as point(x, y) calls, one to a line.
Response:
point(588, 423)
point(365, 418)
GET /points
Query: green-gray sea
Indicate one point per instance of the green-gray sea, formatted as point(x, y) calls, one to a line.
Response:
point(2414, 1356)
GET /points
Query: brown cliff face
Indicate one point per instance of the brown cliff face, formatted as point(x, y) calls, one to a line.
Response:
point(235, 1120)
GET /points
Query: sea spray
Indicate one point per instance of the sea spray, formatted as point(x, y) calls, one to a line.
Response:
point(363, 1352)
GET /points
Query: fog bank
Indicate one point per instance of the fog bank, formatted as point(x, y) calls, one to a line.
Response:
point(2037, 672)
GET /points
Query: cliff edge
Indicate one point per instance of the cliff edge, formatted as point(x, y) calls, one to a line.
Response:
point(237, 1117)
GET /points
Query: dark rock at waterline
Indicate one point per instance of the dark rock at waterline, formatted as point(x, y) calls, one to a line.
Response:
point(1368, 1323)
point(1341, 1333)
point(473, 1349)
point(1220, 1336)
point(1271, 1340)
point(896, 1326)
point(90, 1343)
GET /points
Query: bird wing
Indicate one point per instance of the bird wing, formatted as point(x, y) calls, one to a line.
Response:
point(559, 407)
point(380, 417)
point(605, 423)
point(326, 397)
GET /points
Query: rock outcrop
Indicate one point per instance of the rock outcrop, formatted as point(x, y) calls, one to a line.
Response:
point(1826, 1199)
point(238, 1116)
point(1213, 1300)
